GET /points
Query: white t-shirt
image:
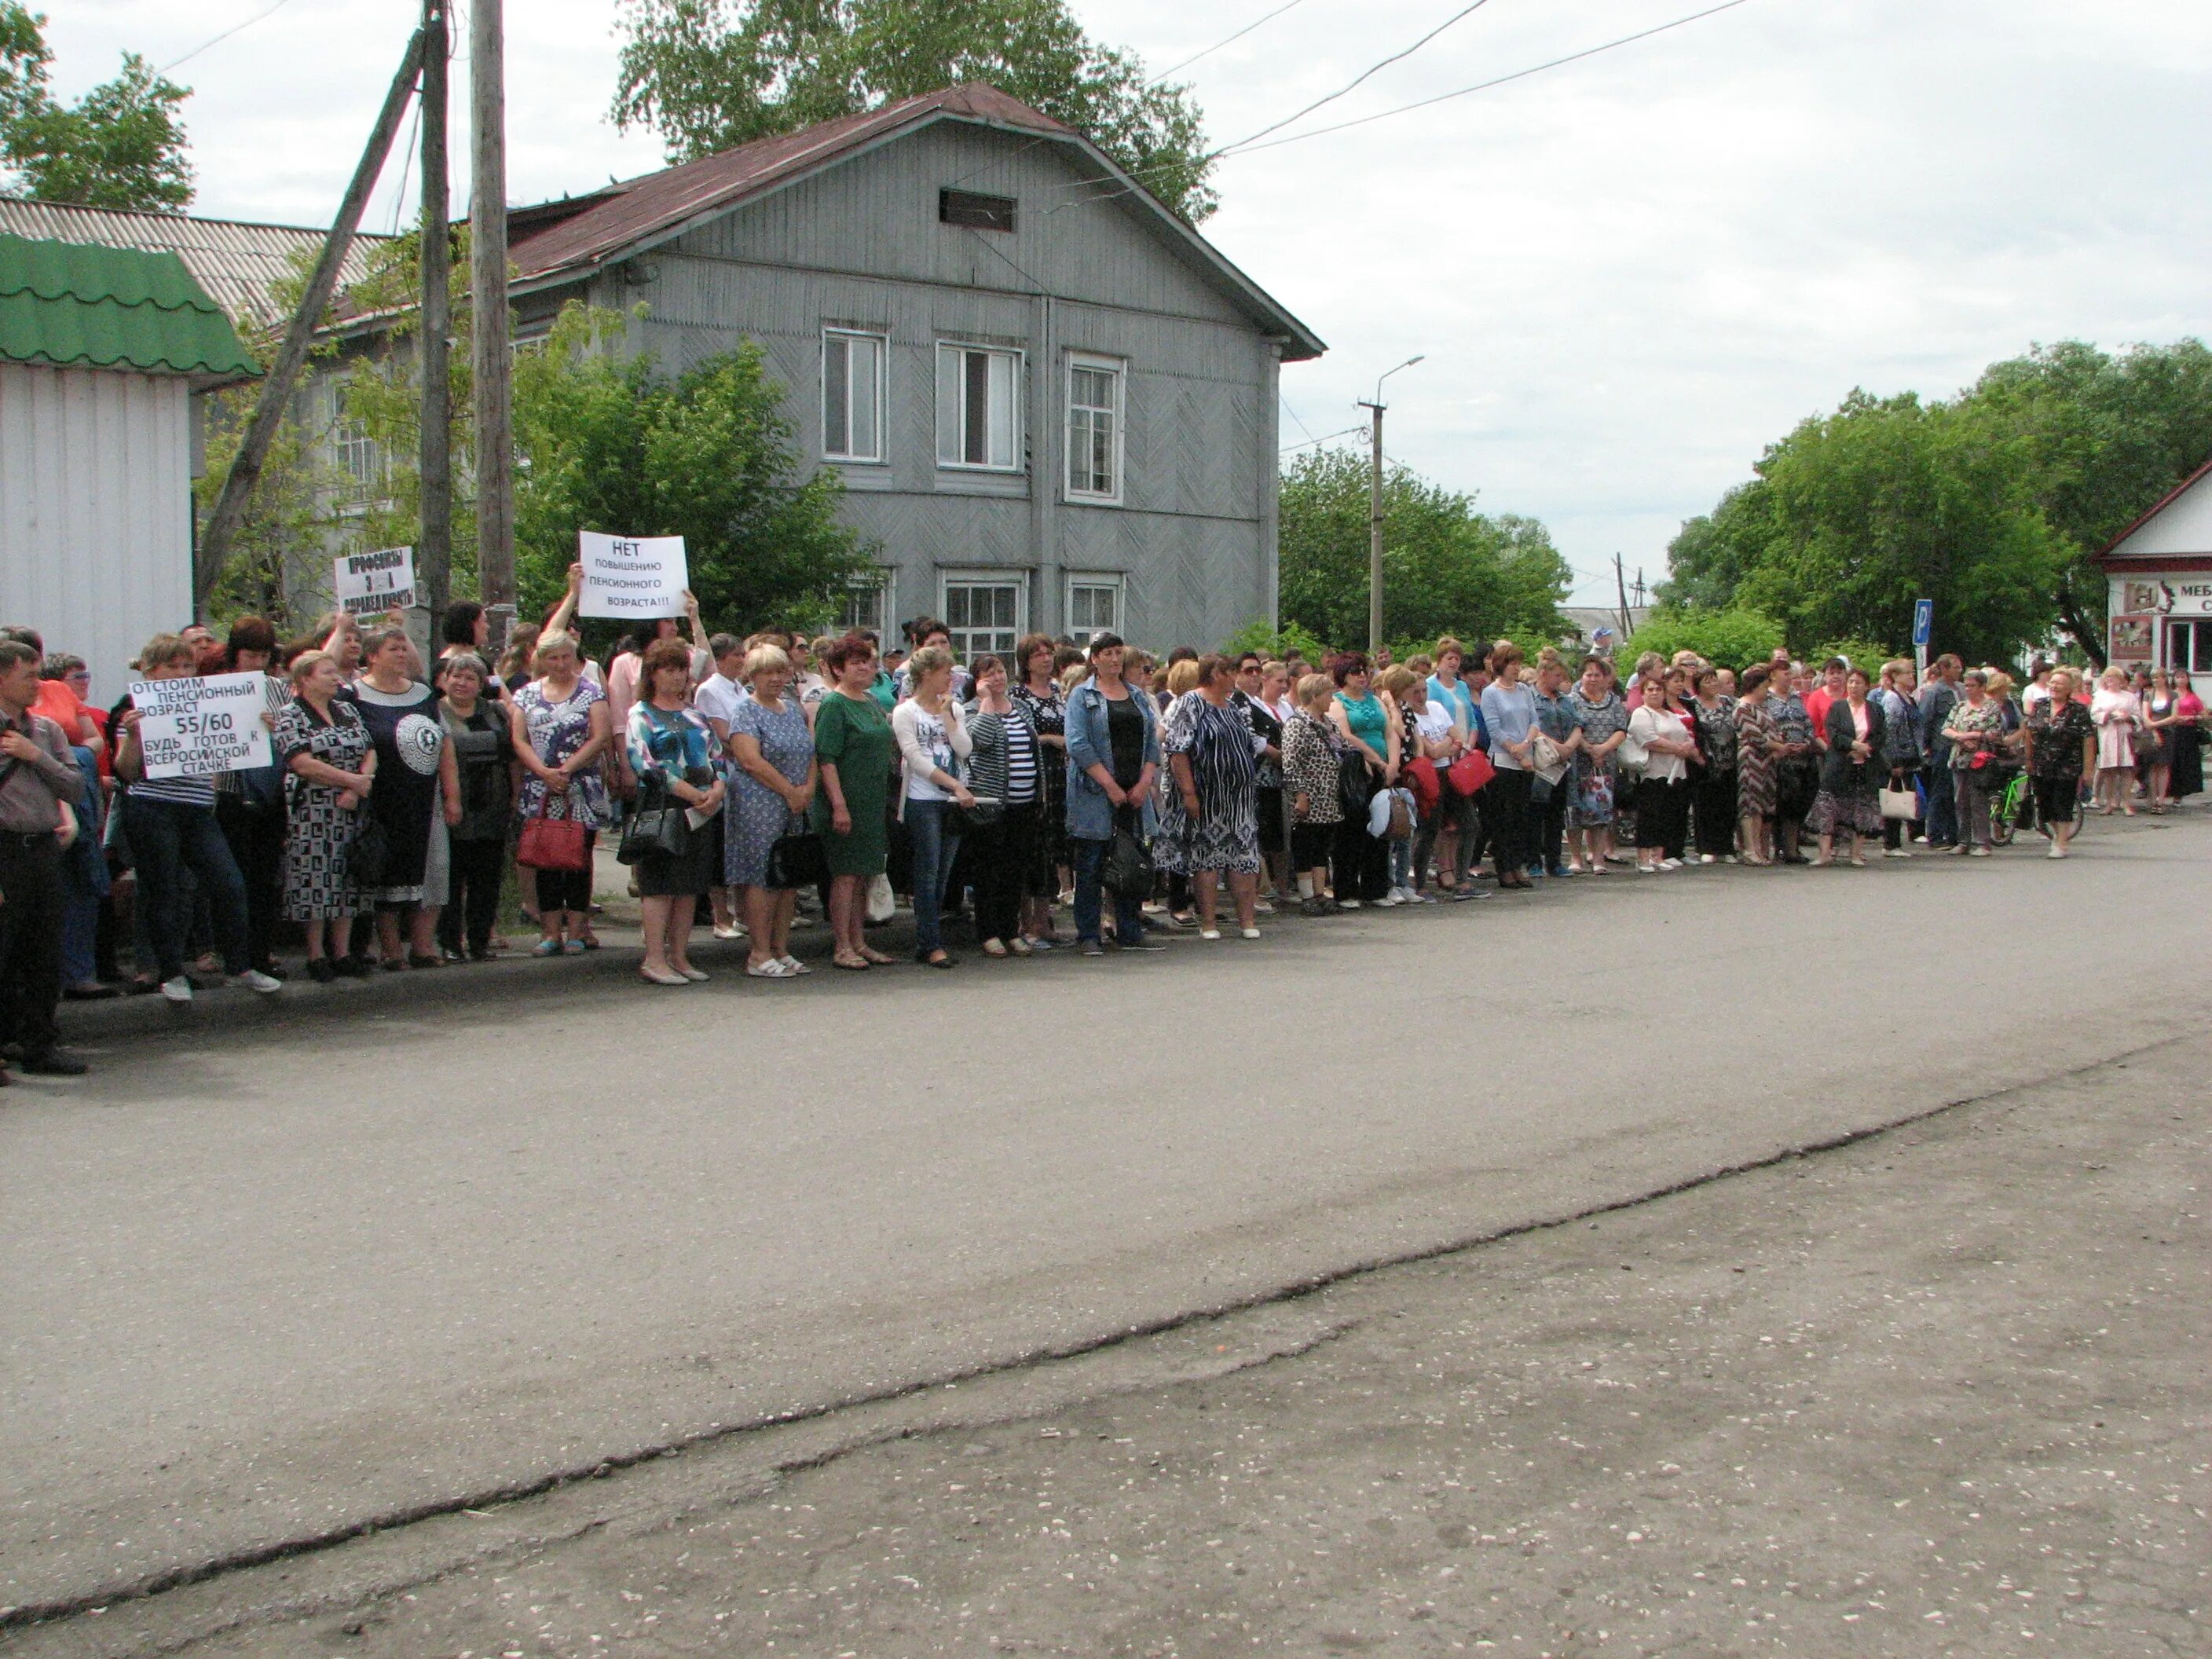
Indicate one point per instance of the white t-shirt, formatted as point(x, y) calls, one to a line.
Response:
point(2035, 697)
point(719, 698)
point(1649, 722)
point(1434, 722)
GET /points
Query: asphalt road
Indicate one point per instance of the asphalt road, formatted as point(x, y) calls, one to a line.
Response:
point(273, 1281)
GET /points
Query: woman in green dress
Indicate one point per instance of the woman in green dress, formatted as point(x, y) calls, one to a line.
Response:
point(852, 741)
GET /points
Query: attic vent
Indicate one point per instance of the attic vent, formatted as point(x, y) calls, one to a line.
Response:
point(965, 207)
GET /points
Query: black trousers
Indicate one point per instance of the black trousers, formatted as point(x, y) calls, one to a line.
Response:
point(568, 890)
point(473, 872)
point(1505, 815)
point(30, 939)
point(1548, 819)
point(999, 860)
point(256, 837)
point(1712, 801)
point(1310, 845)
point(1362, 862)
point(1663, 816)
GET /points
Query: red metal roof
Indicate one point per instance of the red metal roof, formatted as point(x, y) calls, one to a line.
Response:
point(639, 208)
point(2163, 502)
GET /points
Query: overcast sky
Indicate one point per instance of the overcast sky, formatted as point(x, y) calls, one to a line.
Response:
point(1628, 275)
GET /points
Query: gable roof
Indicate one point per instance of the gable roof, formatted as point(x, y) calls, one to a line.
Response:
point(586, 234)
point(2157, 508)
point(73, 306)
point(239, 264)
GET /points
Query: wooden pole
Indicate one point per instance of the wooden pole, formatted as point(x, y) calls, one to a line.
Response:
point(1375, 533)
point(495, 427)
point(436, 459)
point(276, 386)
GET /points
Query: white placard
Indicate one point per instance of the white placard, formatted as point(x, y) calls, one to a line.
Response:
point(631, 576)
point(195, 728)
point(368, 584)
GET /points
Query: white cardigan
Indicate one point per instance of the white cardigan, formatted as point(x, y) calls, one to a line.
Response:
point(914, 759)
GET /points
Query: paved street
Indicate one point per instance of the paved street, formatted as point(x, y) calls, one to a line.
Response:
point(272, 1280)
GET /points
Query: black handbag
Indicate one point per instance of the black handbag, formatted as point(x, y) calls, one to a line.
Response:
point(658, 829)
point(371, 851)
point(1127, 868)
point(796, 860)
point(1354, 787)
point(983, 815)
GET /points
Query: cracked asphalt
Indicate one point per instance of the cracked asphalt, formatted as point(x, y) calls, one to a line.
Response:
point(1942, 1390)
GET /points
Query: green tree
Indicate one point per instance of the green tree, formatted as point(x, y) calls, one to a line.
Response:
point(119, 146)
point(1446, 567)
point(707, 75)
point(1732, 638)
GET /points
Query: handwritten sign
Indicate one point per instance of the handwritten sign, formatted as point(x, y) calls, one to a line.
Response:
point(195, 728)
point(367, 583)
point(631, 576)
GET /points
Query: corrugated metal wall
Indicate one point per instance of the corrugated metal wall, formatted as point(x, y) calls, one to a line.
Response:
point(95, 510)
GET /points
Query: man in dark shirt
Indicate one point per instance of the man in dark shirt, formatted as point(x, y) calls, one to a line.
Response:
point(38, 775)
point(1937, 698)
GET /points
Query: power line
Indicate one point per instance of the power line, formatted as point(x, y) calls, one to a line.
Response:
point(1217, 45)
point(1370, 70)
point(225, 35)
point(1329, 438)
point(1485, 86)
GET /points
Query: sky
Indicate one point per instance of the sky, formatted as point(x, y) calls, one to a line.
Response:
point(1626, 276)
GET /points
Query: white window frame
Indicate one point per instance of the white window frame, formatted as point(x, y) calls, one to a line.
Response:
point(950, 362)
point(882, 448)
point(964, 646)
point(1117, 414)
point(358, 457)
point(881, 590)
point(1112, 580)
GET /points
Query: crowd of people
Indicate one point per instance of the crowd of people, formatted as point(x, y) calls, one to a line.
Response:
point(742, 778)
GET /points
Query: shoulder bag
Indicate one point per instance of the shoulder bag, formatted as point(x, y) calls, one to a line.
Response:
point(658, 829)
point(1127, 868)
point(1471, 772)
point(797, 861)
point(550, 843)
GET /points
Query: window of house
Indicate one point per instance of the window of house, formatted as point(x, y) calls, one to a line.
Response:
point(2189, 647)
point(853, 395)
point(976, 211)
point(984, 612)
point(867, 603)
point(1094, 605)
point(978, 407)
point(358, 456)
point(1094, 427)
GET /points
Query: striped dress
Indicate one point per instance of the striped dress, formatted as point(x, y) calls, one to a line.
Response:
point(1224, 763)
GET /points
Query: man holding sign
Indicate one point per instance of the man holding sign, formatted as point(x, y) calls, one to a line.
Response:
point(180, 732)
point(37, 776)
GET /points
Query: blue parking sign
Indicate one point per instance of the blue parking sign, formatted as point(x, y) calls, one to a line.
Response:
point(1924, 622)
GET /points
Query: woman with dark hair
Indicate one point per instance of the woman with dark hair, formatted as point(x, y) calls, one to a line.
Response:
point(1713, 773)
point(1363, 862)
point(1113, 761)
point(671, 755)
point(330, 765)
point(1210, 822)
point(1662, 794)
point(249, 804)
point(1313, 755)
point(483, 758)
point(415, 768)
point(853, 748)
point(1509, 710)
point(1852, 771)
point(1975, 728)
point(1601, 719)
point(1005, 767)
point(1796, 766)
point(1037, 693)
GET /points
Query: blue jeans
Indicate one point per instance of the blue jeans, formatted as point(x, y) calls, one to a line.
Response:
point(1129, 907)
point(1942, 803)
point(167, 838)
point(935, 839)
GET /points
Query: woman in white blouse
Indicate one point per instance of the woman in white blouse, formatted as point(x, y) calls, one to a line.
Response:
point(933, 748)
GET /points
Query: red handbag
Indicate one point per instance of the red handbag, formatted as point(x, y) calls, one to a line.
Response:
point(1471, 771)
point(1421, 779)
point(552, 843)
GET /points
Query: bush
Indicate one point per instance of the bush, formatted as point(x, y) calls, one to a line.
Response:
point(1732, 639)
point(1860, 653)
point(1273, 643)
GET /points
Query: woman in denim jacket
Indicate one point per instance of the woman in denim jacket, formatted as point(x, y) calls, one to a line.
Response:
point(1113, 763)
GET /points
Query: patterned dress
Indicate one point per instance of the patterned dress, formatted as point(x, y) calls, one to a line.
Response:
point(1048, 718)
point(759, 816)
point(317, 833)
point(1224, 763)
point(1754, 773)
point(1595, 780)
point(410, 738)
point(558, 730)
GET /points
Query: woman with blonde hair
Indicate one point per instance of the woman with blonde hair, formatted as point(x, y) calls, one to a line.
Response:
point(2118, 714)
point(933, 746)
point(1313, 754)
point(561, 727)
point(772, 741)
point(2061, 743)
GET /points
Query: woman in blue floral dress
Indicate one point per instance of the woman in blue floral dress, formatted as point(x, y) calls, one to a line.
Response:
point(561, 727)
point(1603, 718)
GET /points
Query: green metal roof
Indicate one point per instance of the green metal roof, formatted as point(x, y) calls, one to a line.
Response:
point(75, 305)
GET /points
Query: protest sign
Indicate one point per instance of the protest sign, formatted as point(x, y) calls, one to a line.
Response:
point(368, 583)
point(631, 576)
point(195, 728)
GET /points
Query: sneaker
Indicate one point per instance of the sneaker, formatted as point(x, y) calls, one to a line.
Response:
point(1209, 933)
point(177, 990)
point(2055, 851)
point(1347, 904)
point(254, 979)
point(1249, 932)
point(1895, 852)
point(1388, 901)
point(1142, 944)
point(1707, 858)
point(1091, 947)
point(1670, 864)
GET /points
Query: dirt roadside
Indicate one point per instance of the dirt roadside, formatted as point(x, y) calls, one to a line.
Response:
point(1943, 1391)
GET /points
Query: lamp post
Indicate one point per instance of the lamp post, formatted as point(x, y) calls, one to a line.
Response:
point(1375, 510)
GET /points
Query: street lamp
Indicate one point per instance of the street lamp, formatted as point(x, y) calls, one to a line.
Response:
point(1375, 511)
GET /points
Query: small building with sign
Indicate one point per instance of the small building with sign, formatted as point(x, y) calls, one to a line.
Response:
point(2159, 570)
point(101, 350)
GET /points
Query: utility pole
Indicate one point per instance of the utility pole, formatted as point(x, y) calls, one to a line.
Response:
point(494, 426)
point(1639, 587)
point(292, 356)
point(1375, 511)
point(435, 458)
point(1620, 588)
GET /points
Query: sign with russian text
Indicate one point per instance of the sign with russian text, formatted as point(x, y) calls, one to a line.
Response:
point(196, 729)
point(368, 584)
point(631, 576)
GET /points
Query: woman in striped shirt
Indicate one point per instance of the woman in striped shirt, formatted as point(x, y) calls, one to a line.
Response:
point(1005, 766)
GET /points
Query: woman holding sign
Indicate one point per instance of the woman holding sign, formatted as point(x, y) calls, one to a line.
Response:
point(415, 771)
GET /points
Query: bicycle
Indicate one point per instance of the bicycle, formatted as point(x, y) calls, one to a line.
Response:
point(2015, 804)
